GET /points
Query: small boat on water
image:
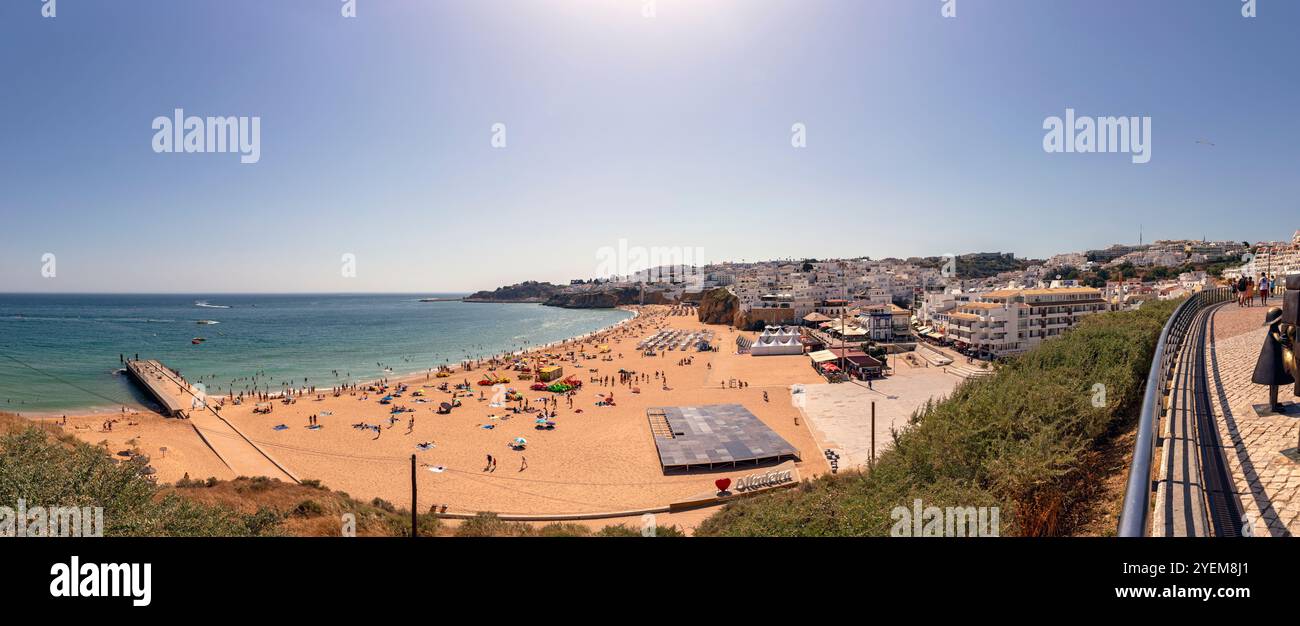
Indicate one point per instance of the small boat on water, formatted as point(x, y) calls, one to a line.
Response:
point(207, 322)
point(197, 340)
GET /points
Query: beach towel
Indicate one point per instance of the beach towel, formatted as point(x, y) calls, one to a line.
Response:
point(424, 447)
point(437, 469)
point(487, 426)
point(314, 427)
point(279, 427)
point(325, 413)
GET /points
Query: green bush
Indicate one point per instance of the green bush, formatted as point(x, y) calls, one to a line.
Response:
point(309, 508)
point(428, 524)
point(560, 529)
point(622, 530)
point(1023, 439)
point(618, 530)
point(48, 471)
point(489, 525)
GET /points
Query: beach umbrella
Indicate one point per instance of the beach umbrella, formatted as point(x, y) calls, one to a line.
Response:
point(521, 441)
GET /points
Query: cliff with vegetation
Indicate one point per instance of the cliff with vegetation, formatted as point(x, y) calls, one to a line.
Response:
point(1027, 439)
point(570, 297)
point(529, 291)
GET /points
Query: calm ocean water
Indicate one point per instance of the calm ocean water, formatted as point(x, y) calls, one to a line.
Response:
point(60, 352)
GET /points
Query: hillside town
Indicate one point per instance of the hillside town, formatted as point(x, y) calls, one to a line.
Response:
point(983, 305)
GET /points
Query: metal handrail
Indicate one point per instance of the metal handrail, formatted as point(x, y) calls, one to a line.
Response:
point(1137, 495)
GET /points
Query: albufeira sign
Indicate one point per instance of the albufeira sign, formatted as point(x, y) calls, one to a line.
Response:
point(726, 488)
point(763, 481)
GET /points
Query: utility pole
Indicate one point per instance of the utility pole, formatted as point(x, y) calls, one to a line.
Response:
point(844, 283)
point(873, 434)
point(414, 517)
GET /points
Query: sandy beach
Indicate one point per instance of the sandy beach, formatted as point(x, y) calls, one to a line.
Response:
point(597, 459)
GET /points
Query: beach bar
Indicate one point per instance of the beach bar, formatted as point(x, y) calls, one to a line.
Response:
point(550, 373)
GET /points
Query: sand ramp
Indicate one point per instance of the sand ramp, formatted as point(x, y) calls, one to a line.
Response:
point(242, 456)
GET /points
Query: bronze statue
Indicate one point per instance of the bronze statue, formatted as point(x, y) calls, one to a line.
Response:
point(1277, 358)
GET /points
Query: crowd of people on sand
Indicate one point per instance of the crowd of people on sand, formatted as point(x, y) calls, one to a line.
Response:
point(1246, 288)
point(580, 352)
point(585, 353)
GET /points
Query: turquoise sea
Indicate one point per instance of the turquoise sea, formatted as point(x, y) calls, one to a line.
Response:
point(60, 352)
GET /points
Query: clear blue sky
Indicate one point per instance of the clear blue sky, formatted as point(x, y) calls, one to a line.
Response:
point(924, 134)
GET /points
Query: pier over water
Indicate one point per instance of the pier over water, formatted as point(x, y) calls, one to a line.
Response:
point(179, 398)
point(174, 394)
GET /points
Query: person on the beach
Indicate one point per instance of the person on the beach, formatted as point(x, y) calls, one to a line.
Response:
point(523, 463)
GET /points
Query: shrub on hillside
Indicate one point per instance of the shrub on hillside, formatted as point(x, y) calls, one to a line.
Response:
point(1023, 439)
point(49, 471)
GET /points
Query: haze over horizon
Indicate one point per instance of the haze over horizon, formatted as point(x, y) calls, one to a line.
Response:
point(924, 136)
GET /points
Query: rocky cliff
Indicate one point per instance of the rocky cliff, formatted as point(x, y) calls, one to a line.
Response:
point(719, 306)
point(605, 298)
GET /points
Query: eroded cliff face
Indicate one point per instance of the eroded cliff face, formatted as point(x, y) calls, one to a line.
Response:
point(719, 306)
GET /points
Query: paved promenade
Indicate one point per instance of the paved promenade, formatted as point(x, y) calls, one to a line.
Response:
point(1267, 479)
point(840, 414)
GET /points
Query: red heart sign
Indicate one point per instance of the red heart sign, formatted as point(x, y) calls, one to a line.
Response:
point(722, 483)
